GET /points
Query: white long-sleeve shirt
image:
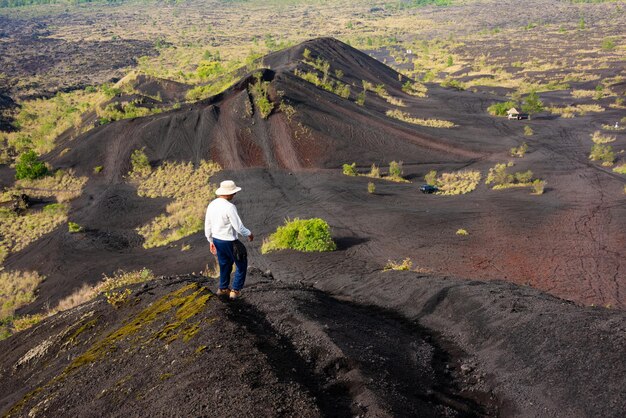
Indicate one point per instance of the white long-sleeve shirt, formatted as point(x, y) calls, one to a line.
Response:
point(222, 221)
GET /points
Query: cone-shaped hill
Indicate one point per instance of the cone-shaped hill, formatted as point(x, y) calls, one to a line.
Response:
point(307, 126)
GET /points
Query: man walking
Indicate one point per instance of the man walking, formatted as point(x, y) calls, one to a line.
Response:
point(221, 226)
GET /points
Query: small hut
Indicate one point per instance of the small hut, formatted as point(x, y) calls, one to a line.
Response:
point(513, 113)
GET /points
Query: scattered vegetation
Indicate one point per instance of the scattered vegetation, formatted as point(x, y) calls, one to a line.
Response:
point(620, 169)
point(17, 289)
point(519, 151)
point(301, 235)
point(598, 138)
point(404, 265)
point(459, 182)
point(117, 298)
point(63, 185)
point(380, 90)
point(572, 111)
point(453, 84)
point(190, 189)
point(431, 123)
point(41, 121)
point(502, 179)
point(415, 88)
point(259, 91)
point(18, 231)
point(326, 82)
point(602, 153)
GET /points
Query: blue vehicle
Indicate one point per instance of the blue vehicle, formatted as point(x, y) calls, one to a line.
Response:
point(427, 188)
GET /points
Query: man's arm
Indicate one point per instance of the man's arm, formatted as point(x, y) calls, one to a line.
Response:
point(207, 232)
point(235, 221)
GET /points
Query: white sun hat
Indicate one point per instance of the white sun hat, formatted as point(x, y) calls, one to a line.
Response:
point(227, 187)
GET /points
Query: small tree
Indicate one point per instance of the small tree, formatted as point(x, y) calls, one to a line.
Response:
point(374, 171)
point(350, 169)
point(431, 177)
point(30, 167)
point(395, 169)
point(532, 103)
point(140, 163)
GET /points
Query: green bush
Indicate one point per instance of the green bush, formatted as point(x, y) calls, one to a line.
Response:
point(431, 177)
point(302, 235)
point(350, 169)
point(500, 109)
point(395, 169)
point(371, 187)
point(602, 153)
point(140, 163)
point(532, 103)
point(528, 131)
point(73, 227)
point(28, 166)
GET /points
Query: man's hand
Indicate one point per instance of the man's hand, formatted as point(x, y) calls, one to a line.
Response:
point(251, 237)
point(212, 248)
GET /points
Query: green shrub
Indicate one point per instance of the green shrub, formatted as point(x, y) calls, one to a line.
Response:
point(620, 169)
point(532, 103)
point(538, 186)
point(528, 131)
point(350, 169)
point(500, 109)
point(458, 182)
point(462, 232)
point(523, 176)
point(28, 166)
point(374, 171)
point(395, 169)
point(602, 153)
point(73, 227)
point(608, 44)
point(404, 265)
point(97, 169)
point(302, 235)
point(259, 91)
point(371, 187)
point(519, 151)
point(431, 177)
point(140, 163)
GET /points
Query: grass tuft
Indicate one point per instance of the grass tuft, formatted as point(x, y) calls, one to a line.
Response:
point(191, 191)
point(430, 123)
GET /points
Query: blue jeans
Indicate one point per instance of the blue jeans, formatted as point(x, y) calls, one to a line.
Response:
point(226, 258)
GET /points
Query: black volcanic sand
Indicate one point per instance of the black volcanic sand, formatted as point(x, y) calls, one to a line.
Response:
point(284, 350)
point(538, 355)
point(288, 349)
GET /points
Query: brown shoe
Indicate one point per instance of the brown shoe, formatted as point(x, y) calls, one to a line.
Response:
point(234, 294)
point(222, 292)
